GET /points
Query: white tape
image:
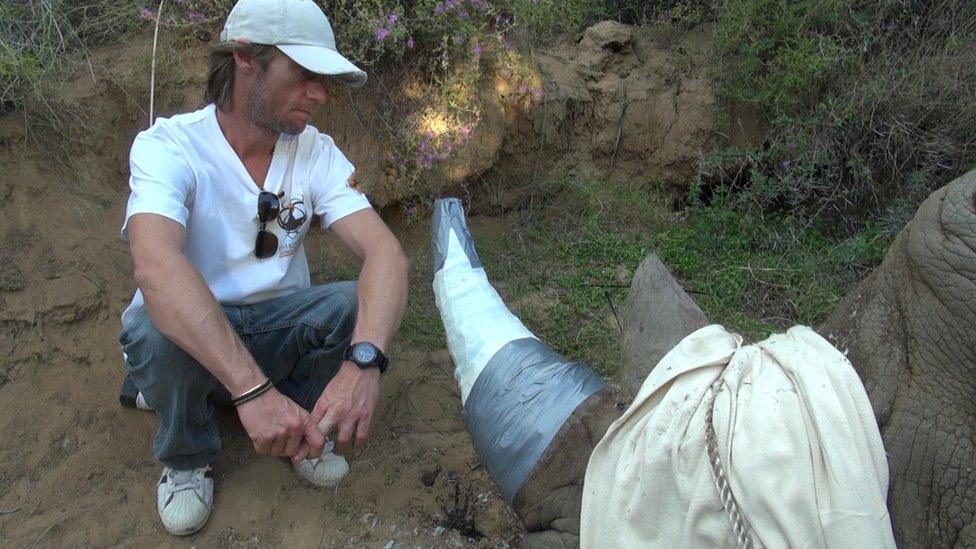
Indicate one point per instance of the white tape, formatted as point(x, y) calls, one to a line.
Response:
point(476, 319)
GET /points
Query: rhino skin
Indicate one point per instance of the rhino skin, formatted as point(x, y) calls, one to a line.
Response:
point(549, 500)
point(657, 315)
point(909, 329)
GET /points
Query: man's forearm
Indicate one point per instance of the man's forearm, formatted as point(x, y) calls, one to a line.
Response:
point(382, 294)
point(182, 308)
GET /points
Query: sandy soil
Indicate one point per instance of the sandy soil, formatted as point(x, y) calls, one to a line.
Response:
point(76, 469)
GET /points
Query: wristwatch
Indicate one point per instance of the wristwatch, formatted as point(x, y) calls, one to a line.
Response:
point(366, 355)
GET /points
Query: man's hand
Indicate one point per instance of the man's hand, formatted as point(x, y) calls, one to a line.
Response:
point(346, 405)
point(274, 423)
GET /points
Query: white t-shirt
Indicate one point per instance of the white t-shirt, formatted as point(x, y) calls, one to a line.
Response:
point(183, 168)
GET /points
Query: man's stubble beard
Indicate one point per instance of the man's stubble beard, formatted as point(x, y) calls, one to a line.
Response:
point(260, 109)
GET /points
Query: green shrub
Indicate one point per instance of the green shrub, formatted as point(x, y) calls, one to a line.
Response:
point(872, 104)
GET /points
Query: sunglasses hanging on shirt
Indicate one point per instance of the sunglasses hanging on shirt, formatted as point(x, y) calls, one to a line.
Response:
point(269, 204)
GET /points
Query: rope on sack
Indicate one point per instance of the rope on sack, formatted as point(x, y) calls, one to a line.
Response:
point(743, 537)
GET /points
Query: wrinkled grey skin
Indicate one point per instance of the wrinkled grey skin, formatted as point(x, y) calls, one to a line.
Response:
point(909, 329)
point(549, 500)
point(657, 315)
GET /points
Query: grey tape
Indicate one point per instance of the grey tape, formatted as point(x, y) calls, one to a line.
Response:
point(517, 405)
point(449, 214)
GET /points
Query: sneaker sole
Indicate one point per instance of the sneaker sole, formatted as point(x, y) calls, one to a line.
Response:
point(312, 480)
point(193, 530)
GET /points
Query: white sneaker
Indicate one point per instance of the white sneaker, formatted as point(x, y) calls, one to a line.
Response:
point(184, 499)
point(325, 470)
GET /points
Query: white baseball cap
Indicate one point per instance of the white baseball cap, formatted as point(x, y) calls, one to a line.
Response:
point(296, 27)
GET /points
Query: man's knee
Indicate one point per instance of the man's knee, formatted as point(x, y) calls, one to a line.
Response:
point(151, 357)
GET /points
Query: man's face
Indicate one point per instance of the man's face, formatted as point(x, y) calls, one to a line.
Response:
point(284, 96)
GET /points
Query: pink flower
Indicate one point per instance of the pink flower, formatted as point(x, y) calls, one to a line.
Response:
point(538, 94)
point(194, 16)
point(392, 19)
point(381, 33)
point(410, 42)
point(477, 49)
point(147, 14)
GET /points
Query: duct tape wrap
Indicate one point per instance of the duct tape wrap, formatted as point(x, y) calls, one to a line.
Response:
point(517, 405)
point(448, 216)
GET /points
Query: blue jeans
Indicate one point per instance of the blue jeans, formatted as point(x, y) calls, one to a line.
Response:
point(297, 340)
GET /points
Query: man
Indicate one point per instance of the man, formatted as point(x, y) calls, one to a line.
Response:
point(221, 201)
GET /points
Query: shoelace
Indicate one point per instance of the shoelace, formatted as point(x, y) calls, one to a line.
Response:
point(329, 446)
point(185, 480)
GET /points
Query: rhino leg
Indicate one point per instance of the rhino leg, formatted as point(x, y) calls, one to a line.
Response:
point(552, 494)
point(908, 329)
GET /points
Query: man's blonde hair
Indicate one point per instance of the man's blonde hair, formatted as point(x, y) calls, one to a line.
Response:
point(220, 80)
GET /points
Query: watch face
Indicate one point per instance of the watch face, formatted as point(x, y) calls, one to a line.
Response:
point(364, 354)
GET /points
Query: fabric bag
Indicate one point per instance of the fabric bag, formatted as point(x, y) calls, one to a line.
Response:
point(795, 436)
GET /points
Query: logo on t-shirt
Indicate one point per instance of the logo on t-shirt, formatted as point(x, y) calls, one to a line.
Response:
point(292, 216)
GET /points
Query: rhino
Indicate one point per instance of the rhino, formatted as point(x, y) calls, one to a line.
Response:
point(907, 329)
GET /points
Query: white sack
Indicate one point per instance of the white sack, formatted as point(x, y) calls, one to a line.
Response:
point(796, 436)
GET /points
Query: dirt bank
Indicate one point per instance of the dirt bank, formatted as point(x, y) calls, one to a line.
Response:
point(76, 468)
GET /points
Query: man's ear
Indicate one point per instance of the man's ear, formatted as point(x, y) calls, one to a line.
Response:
point(245, 62)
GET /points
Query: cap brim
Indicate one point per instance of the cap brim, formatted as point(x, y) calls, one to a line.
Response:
point(321, 60)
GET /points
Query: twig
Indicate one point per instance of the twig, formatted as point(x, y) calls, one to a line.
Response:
point(9, 511)
point(57, 522)
point(542, 138)
point(354, 110)
point(152, 70)
point(93, 281)
point(614, 310)
point(774, 269)
point(90, 68)
point(620, 131)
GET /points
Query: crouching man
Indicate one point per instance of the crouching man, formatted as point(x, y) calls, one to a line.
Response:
point(221, 200)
